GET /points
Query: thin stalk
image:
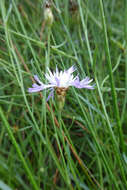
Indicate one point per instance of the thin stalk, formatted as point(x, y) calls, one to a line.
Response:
point(8, 127)
point(116, 148)
point(114, 95)
point(125, 37)
point(25, 33)
point(87, 172)
point(48, 56)
point(97, 143)
point(115, 144)
point(18, 75)
point(86, 33)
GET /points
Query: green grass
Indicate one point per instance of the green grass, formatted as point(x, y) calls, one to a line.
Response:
point(84, 147)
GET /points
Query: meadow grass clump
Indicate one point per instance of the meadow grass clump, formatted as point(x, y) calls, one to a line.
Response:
point(80, 143)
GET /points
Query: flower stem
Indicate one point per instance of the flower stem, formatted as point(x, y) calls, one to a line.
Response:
point(48, 53)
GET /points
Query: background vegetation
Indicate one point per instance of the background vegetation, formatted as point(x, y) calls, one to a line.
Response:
point(84, 148)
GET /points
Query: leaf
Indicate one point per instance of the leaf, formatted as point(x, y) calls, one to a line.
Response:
point(3, 186)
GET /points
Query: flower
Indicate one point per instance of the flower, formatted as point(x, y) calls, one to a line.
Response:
point(60, 81)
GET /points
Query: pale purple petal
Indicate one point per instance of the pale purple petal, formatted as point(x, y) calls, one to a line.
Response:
point(35, 85)
point(57, 81)
point(86, 81)
point(37, 79)
point(71, 70)
point(36, 88)
point(89, 87)
point(51, 94)
point(83, 83)
point(76, 82)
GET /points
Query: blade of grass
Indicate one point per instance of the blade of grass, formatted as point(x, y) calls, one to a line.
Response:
point(115, 144)
point(125, 52)
point(114, 95)
point(8, 128)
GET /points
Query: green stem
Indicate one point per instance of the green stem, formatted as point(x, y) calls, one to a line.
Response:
point(125, 37)
point(48, 56)
point(114, 95)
